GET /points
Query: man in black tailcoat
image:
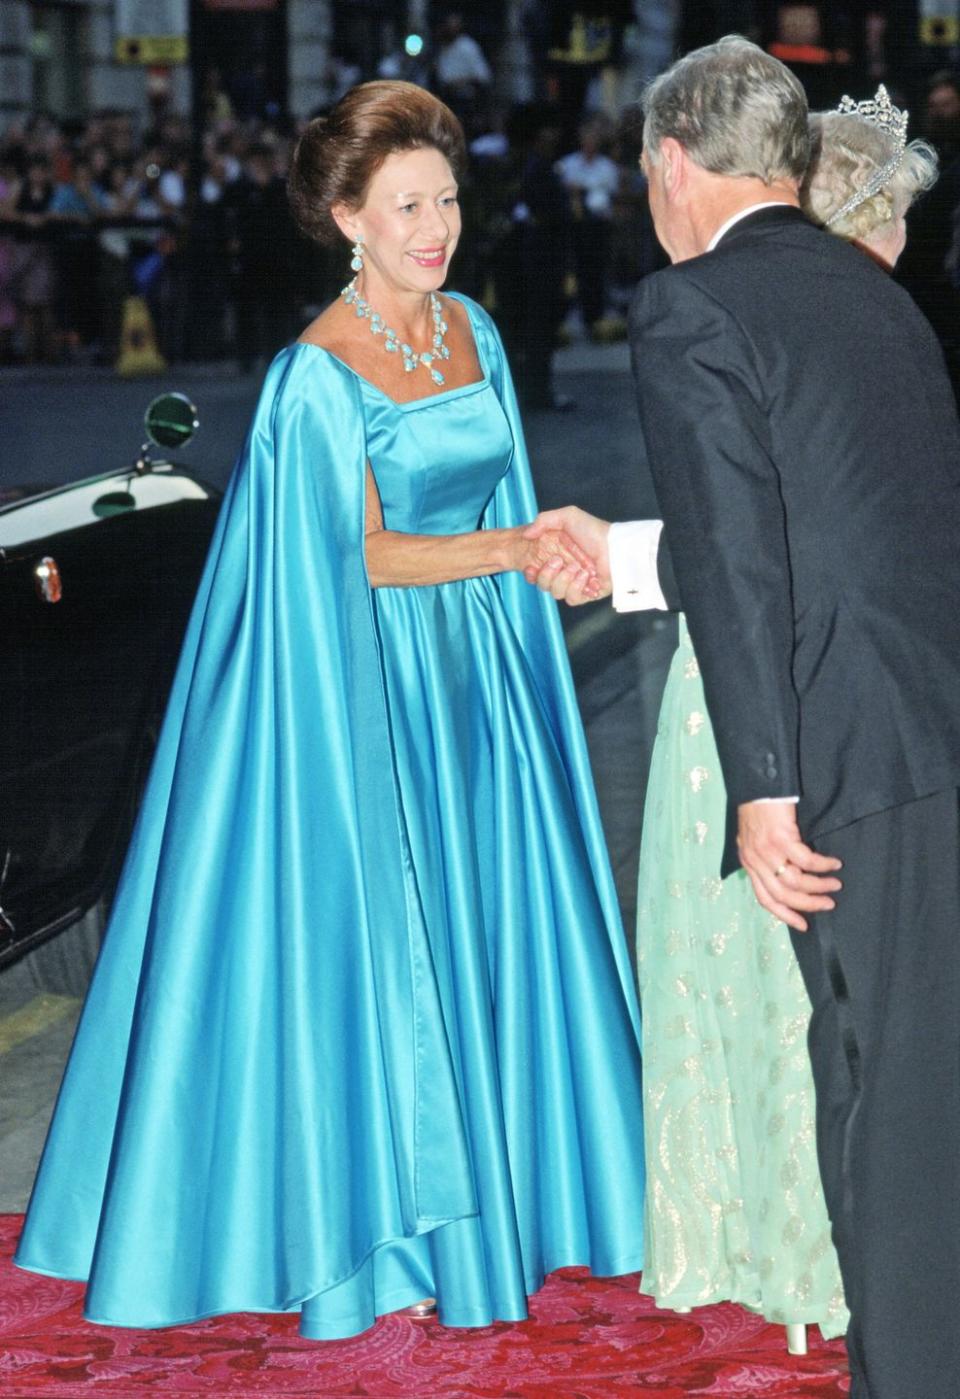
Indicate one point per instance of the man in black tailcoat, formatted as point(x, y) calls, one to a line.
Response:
point(804, 443)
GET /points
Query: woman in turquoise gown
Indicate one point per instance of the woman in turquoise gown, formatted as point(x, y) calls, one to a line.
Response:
point(735, 1209)
point(362, 1030)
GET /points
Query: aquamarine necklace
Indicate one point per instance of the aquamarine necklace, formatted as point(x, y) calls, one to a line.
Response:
point(391, 340)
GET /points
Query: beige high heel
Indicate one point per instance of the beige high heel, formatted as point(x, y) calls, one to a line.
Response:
point(797, 1338)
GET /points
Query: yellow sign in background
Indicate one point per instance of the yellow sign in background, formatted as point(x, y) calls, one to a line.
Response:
point(152, 49)
point(151, 31)
point(940, 22)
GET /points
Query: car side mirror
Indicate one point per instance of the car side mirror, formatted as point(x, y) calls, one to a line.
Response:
point(171, 420)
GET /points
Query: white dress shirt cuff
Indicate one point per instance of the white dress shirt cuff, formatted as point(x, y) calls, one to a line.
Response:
point(757, 800)
point(633, 546)
point(633, 549)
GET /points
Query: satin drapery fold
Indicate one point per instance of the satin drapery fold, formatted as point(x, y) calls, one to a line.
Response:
point(256, 931)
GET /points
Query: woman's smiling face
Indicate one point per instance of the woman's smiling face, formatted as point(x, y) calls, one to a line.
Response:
point(410, 220)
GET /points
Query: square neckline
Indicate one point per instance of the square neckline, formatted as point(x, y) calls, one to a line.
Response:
point(474, 386)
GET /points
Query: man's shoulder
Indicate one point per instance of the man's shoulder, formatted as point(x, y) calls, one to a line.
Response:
point(678, 291)
point(780, 276)
point(744, 255)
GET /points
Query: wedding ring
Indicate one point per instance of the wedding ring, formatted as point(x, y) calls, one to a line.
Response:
point(780, 869)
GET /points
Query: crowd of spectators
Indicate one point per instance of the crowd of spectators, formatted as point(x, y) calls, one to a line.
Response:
point(555, 224)
point(92, 213)
point(97, 211)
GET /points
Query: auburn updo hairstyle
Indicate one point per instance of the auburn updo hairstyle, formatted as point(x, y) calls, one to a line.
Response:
point(338, 155)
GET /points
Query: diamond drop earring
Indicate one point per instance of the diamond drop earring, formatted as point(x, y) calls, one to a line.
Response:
point(357, 264)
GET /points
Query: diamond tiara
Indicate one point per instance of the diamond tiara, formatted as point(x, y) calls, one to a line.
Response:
point(880, 112)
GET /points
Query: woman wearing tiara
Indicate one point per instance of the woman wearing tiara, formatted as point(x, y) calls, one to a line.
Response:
point(735, 1208)
point(352, 1040)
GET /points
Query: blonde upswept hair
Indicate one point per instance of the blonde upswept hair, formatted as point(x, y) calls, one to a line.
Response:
point(847, 151)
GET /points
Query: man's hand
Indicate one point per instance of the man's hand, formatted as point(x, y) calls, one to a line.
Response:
point(564, 582)
point(788, 878)
point(553, 553)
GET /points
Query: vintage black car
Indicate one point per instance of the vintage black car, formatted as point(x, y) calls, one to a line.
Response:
point(96, 583)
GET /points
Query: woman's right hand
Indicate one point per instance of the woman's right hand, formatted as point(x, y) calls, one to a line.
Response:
point(553, 549)
point(588, 533)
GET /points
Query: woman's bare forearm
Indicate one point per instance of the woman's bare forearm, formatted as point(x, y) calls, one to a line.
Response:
point(396, 560)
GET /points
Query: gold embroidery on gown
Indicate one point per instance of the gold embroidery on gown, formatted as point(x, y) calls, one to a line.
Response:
point(735, 1209)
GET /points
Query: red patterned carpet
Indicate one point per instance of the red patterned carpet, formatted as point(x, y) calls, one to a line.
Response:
point(586, 1339)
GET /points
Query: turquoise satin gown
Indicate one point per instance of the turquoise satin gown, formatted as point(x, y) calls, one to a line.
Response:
point(363, 1028)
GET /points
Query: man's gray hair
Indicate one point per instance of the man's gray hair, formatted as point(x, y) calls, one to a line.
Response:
point(735, 109)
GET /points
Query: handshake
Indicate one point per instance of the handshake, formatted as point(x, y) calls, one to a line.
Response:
point(565, 553)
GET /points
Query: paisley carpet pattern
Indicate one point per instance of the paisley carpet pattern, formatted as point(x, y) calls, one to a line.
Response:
point(587, 1338)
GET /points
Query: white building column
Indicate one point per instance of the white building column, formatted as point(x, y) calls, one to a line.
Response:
point(16, 70)
point(309, 34)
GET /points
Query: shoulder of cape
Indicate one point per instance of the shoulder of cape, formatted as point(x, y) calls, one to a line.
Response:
point(483, 326)
point(308, 399)
point(304, 374)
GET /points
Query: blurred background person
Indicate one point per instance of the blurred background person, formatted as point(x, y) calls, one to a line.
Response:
point(34, 272)
point(592, 180)
point(461, 70)
point(76, 206)
point(533, 263)
point(343, 72)
point(9, 188)
point(214, 98)
point(207, 263)
point(925, 267)
point(258, 232)
point(635, 249)
point(811, 41)
point(120, 192)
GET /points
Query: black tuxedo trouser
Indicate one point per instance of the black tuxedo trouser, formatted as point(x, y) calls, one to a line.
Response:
point(883, 973)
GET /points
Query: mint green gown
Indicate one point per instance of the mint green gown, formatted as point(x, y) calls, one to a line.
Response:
point(734, 1207)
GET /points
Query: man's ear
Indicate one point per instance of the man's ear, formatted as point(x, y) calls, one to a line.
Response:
point(673, 159)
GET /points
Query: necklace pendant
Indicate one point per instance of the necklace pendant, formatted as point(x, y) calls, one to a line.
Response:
point(436, 376)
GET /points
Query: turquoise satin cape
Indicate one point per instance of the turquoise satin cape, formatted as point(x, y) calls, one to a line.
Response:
point(262, 923)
